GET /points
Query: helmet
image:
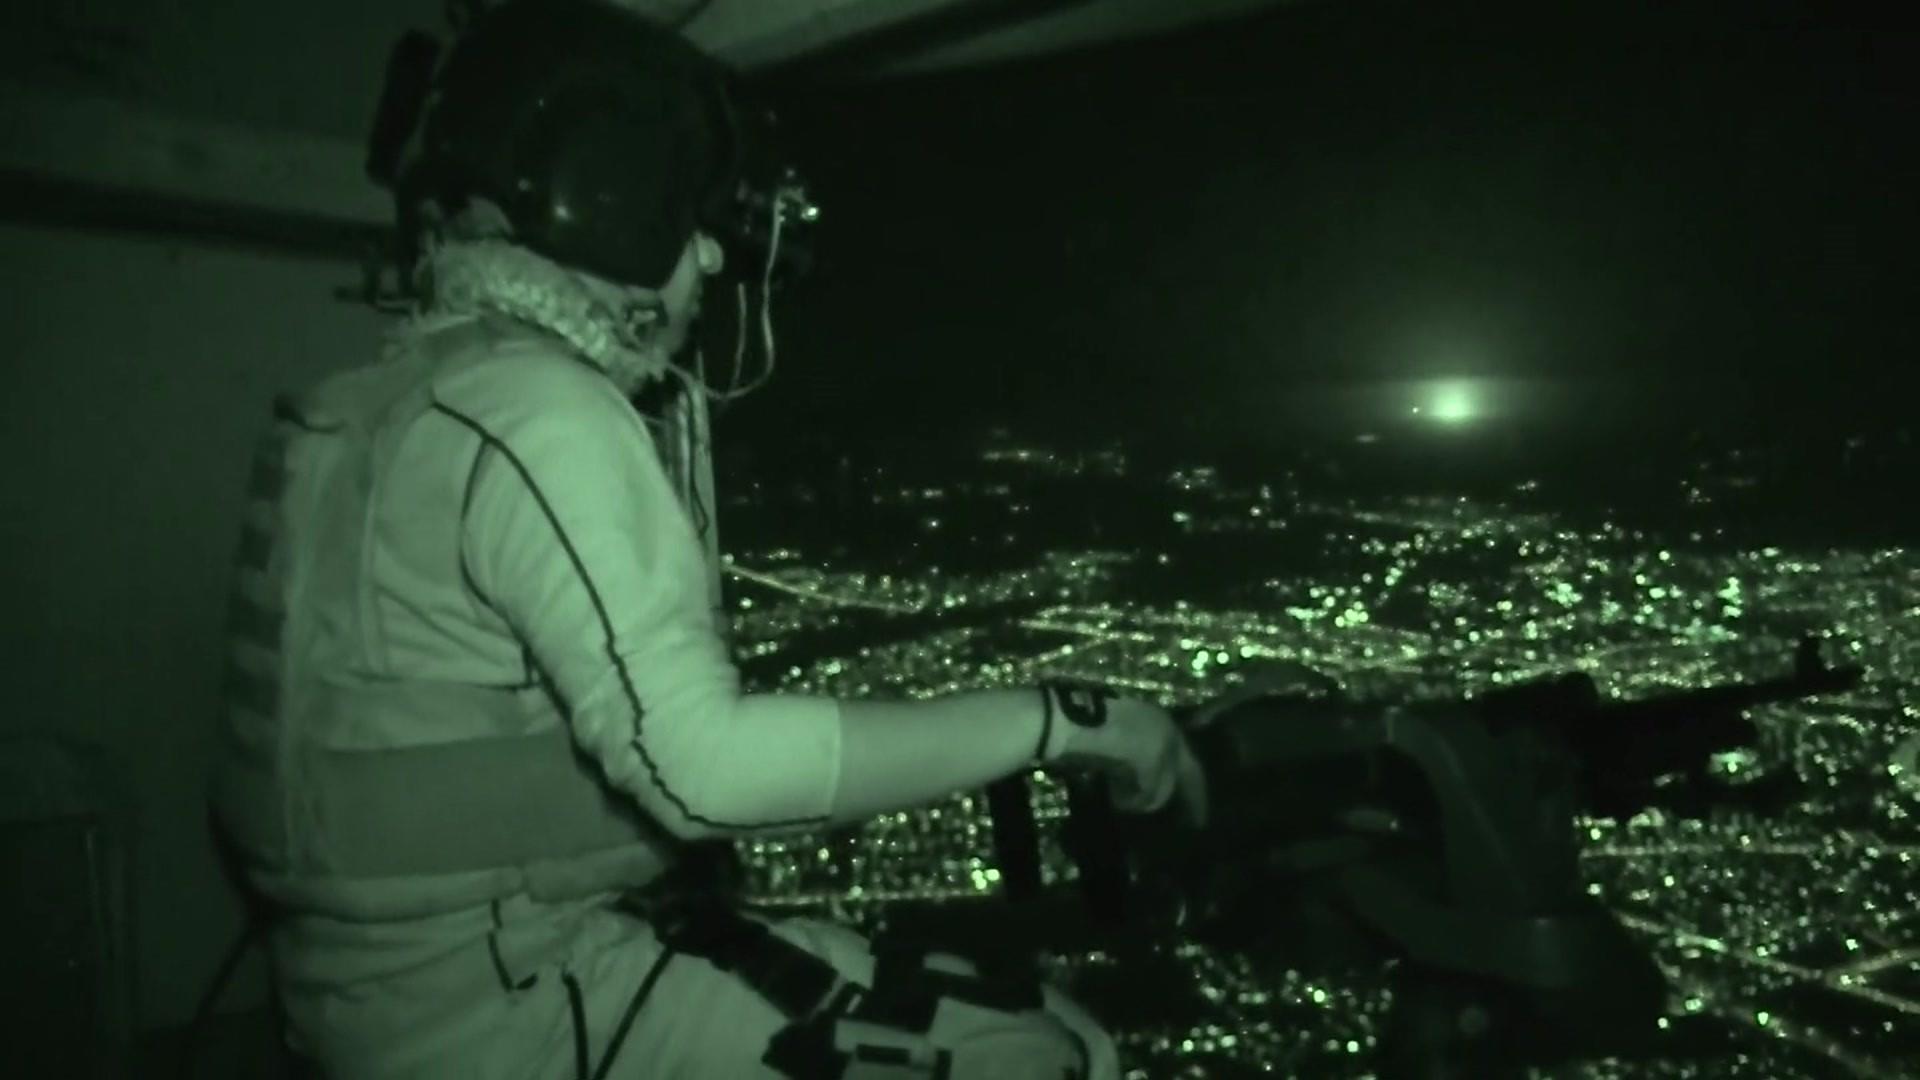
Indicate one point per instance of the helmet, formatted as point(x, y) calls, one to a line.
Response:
point(604, 138)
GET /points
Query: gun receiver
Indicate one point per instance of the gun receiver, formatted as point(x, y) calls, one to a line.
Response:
point(1438, 835)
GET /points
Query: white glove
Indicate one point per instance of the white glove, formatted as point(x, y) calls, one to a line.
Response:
point(1134, 743)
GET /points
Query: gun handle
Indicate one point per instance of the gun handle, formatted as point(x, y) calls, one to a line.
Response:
point(1016, 842)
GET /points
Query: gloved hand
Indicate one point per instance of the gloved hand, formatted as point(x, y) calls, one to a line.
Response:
point(1134, 743)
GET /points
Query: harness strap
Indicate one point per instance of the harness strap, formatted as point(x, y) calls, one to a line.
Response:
point(856, 1029)
point(906, 992)
point(806, 1049)
point(794, 980)
point(633, 1010)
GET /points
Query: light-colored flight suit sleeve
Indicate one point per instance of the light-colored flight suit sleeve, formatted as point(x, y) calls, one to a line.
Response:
point(573, 534)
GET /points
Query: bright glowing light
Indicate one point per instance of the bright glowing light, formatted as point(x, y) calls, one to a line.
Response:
point(1453, 403)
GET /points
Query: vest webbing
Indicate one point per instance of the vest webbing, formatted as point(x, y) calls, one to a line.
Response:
point(317, 778)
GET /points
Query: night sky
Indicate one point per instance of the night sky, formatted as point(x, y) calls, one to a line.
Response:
point(1596, 218)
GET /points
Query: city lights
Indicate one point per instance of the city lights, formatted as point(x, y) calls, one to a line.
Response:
point(1402, 597)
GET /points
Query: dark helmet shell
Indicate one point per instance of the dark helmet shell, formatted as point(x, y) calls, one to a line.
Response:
point(605, 138)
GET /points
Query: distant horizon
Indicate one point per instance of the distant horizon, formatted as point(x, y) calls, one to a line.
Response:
point(1810, 490)
point(1594, 413)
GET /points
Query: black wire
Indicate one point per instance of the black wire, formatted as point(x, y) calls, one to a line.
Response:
point(698, 442)
point(739, 364)
point(699, 508)
point(575, 1003)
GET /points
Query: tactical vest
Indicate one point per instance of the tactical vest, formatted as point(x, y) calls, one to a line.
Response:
point(361, 797)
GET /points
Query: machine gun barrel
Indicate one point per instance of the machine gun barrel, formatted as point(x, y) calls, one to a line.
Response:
point(1622, 746)
point(1810, 677)
point(1437, 833)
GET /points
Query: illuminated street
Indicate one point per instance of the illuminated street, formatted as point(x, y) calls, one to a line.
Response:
point(1792, 940)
